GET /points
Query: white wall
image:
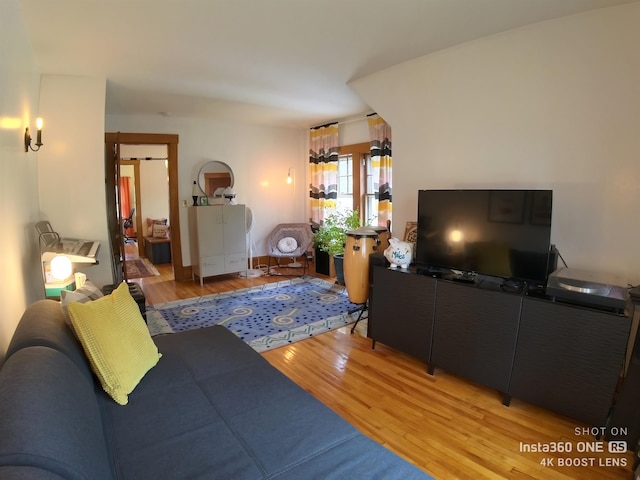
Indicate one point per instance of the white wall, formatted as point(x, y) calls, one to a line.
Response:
point(353, 131)
point(71, 164)
point(19, 254)
point(259, 156)
point(554, 105)
point(154, 190)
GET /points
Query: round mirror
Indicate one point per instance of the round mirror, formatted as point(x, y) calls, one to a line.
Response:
point(215, 175)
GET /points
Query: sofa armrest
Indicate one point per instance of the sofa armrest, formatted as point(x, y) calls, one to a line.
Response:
point(50, 418)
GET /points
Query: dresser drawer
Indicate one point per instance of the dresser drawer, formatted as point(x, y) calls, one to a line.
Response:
point(214, 265)
point(235, 262)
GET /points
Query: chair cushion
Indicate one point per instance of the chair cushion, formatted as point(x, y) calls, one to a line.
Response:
point(287, 244)
point(116, 340)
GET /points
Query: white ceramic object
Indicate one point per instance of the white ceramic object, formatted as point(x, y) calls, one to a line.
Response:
point(399, 253)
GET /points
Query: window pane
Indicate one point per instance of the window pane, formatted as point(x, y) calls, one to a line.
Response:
point(370, 202)
point(345, 182)
point(371, 210)
point(344, 188)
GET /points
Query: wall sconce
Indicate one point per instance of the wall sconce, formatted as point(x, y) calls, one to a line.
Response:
point(27, 137)
point(290, 175)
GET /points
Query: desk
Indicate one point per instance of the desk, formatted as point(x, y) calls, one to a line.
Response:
point(158, 250)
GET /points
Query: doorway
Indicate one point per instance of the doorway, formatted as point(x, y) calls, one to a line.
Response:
point(145, 197)
point(113, 142)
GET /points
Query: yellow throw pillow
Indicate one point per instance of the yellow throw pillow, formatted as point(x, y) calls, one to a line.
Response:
point(116, 341)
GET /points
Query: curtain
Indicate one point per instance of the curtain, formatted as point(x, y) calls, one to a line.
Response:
point(125, 203)
point(323, 166)
point(381, 162)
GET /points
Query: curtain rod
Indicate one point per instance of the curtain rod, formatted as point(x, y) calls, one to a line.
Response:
point(325, 125)
point(342, 122)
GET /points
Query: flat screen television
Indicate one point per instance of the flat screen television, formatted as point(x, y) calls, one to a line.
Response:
point(501, 233)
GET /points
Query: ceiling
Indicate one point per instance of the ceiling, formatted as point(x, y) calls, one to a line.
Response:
point(273, 62)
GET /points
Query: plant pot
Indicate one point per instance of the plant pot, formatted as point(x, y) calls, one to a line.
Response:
point(338, 261)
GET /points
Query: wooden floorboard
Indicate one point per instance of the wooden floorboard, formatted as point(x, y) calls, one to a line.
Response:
point(447, 426)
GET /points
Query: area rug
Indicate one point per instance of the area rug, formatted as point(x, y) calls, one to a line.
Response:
point(265, 317)
point(139, 268)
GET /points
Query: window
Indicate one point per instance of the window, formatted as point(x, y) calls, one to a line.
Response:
point(356, 185)
point(345, 183)
point(370, 200)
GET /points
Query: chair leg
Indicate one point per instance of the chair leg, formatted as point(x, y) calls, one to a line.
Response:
point(304, 266)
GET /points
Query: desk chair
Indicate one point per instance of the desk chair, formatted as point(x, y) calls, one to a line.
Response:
point(127, 224)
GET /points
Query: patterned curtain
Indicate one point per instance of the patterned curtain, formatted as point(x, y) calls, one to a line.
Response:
point(323, 165)
point(382, 163)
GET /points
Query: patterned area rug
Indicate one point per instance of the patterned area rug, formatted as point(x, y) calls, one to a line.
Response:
point(139, 268)
point(265, 317)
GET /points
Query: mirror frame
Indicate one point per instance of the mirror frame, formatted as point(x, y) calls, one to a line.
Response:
point(213, 166)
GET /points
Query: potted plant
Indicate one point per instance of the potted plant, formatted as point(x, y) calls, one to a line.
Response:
point(331, 237)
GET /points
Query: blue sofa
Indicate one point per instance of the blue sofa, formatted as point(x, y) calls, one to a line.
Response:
point(211, 408)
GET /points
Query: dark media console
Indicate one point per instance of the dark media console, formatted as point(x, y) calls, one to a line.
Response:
point(562, 357)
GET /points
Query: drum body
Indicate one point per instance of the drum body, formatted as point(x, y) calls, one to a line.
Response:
point(383, 236)
point(361, 243)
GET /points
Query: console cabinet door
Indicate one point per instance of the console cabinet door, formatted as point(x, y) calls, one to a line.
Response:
point(568, 359)
point(475, 333)
point(217, 235)
point(234, 226)
point(401, 311)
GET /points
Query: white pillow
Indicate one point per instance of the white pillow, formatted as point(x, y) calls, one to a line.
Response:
point(160, 231)
point(154, 221)
point(287, 244)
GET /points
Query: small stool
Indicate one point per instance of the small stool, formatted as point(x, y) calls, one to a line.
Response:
point(136, 292)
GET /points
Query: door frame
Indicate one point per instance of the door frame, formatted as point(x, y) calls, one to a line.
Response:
point(113, 140)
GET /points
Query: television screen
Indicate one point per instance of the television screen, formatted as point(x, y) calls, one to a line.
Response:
point(502, 233)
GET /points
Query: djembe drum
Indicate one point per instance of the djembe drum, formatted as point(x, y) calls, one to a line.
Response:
point(361, 243)
point(383, 236)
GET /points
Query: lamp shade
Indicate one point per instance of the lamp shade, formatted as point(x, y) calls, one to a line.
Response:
point(61, 267)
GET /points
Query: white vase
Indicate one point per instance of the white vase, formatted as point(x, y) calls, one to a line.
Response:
point(399, 253)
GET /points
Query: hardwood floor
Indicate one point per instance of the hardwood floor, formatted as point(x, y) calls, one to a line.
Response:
point(447, 426)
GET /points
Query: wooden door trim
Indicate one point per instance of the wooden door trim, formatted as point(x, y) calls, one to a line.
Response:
point(180, 273)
